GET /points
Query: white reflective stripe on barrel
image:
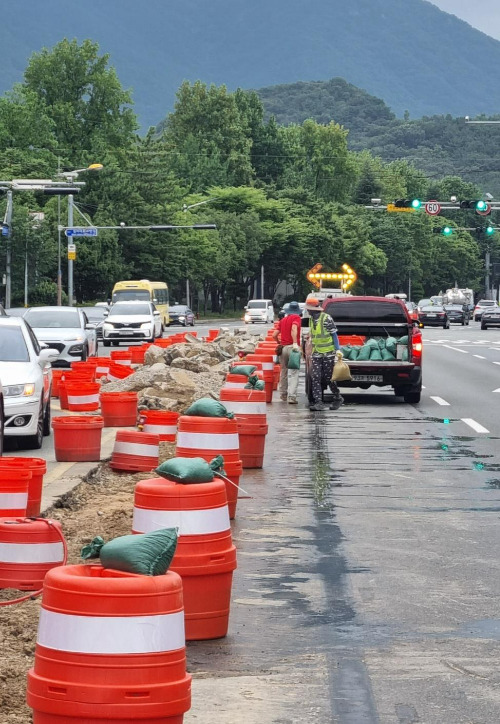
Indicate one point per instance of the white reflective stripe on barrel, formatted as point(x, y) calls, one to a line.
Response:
point(136, 448)
point(111, 634)
point(123, 362)
point(245, 408)
point(160, 429)
point(189, 522)
point(102, 370)
point(208, 441)
point(31, 552)
point(83, 399)
point(268, 366)
point(235, 385)
point(112, 378)
point(13, 501)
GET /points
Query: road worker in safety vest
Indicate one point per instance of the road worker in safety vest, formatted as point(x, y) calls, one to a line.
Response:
point(325, 347)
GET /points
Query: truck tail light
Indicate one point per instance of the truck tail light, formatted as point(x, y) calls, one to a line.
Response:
point(416, 345)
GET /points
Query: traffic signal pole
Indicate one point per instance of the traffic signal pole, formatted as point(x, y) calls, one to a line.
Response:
point(70, 261)
point(8, 251)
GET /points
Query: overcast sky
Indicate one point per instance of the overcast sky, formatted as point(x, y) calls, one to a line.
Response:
point(482, 14)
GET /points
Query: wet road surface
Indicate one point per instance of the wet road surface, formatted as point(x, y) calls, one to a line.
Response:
point(368, 586)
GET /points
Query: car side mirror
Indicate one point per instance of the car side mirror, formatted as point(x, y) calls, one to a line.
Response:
point(156, 314)
point(105, 314)
point(245, 308)
point(90, 325)
point(47, 354)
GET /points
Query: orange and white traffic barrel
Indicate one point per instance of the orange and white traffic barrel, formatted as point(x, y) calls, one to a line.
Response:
point(122, 357)
point(267, 361)
point(14, 485)
point(118, 409)
point(28, 549)
point(56, 378)
point(205, 556)
point(249, 409)
point(110, 648)
point(38, 468)
point(135, 451)
point(85, 369)
point(160, 422)
point(101, 365)
point(83, 396)
point(77, 438)
point(207, 437)
point(118, 372)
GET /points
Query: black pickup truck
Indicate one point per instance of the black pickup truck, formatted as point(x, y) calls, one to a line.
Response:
point(359, 319)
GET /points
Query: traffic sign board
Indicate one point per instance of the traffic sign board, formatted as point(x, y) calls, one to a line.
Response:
point(71, 247)
point(81, 231)
point(72, 255)
point(404, 209)
point(432, 208)
point(311, 275)
point(485, 211)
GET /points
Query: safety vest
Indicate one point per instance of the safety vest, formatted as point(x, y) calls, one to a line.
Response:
point(321, 339)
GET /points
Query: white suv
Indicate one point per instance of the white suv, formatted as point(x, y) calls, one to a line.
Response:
point(481, 305)
point(259, 310)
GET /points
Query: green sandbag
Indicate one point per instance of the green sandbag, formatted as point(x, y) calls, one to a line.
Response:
point(387, 356)
point(346, 351)
point(354, 353)
point(381, 343)
point(375, 355)
point(294, 360)
point(245, 370)
point(208, 407)
point(149, 554)
point(403, 340)
point(390, 344)
point(373, 343)
point(186, 470)
point(364, 353)
point(254, 383)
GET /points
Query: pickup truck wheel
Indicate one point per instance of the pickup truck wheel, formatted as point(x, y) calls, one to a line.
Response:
point(412, 397)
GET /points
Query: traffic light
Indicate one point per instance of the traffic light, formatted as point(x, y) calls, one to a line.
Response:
point(444, 230)
point(476, 205)
point(408, 204)
point(489, 231)
point(59, 190)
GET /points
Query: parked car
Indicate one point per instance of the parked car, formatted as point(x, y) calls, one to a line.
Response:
point(96, 316)
point(433, 316)
point(16, 311)
point(259, 310)
point(490, 318)
point(481, 305)
point(181, 314)
point(26, 376)
point(65, 329)
point(284, 309)
point(457, 313)
point(131, 322)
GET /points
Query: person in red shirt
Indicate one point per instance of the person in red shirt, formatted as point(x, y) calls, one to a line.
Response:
point(288, 334)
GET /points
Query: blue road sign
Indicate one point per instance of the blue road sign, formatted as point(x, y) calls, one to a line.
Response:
point(81, 231)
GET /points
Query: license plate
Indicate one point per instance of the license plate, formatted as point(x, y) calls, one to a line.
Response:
point(432, 315)
point(367, 378)
point(124, 333)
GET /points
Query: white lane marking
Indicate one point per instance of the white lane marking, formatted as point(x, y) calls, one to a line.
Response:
point(455, 349)
point(440, 401)
point(475, 425)
point(478, 356)
point(496, 363)
point(497, 390)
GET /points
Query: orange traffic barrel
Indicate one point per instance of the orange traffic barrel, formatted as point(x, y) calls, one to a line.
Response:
point(207, 437)
point(163, 342)
point(110, 648)
point(118, 409)
point(67, 377)
point(160, 422)
point(135, 451)
point(14, 485)
point(267, 361)
point(277, 375)
point(122, 357)
point(63, 395)
point(83, 396)
point(77, 438)
point(86, 369)
point(137, 354)
point(28, 549)
point(238, 382)
point(101, 365)
point(38, 467)
point(249, 409)
point(205, 556)
point(56, 378)
point(118, 372)
point(212, 334)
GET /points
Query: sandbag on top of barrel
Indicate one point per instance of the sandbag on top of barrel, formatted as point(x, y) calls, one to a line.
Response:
point(254, 383)
point(186, 470)
point(246, 370)
point(149, 554)
point(208, 407)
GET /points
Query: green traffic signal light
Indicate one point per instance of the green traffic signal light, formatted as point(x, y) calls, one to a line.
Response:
point(416, 204)
point(481, 205)
point(447, 231)
point(490, 230)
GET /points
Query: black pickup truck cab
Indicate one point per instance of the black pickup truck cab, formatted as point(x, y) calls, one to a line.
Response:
point(359, 319)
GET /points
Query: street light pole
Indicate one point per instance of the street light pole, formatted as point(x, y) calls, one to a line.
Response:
point(70, 261)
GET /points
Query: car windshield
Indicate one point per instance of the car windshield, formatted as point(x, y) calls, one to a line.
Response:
point(39, 318)
point(454, 307)
point(16, 312)
point(256, 305)
point(424, 302)
point(486, 303)
point(125, 295)
point(129, 309)
point(178, 308)
point(95, 314)
point(13, 345)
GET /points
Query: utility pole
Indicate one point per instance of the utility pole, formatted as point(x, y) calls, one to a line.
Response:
point(70, 261)
point(262, 295)
point(487, 273)
point(8, 255)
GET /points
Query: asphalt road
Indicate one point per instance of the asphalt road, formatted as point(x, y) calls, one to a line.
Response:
point(368, 586)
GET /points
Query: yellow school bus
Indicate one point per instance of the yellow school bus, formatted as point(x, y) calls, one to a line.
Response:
point(156, 292)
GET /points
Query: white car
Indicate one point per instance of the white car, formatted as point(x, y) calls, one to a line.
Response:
point(132, 321)
point(481, 306)
point(259, 310)
point(65, 329)
point(26, 377)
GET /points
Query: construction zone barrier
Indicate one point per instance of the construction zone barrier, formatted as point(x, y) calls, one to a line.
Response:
point(122, 357)
point(118, 409)
point(85, 369)
point(110, 648)
point(205, 557)
point(77, 438)
point(160, 422)
point(56, 378)
point(238, 382)
point(212, 334)
point(14, 485)
point(207, 437)
point(267, 361)
point(83, 396)
point(249, 409)
point(28, 549)
point(38, 468)
point(138, 354)
point(118, 372)
point(135, 451)
point(101, 365)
